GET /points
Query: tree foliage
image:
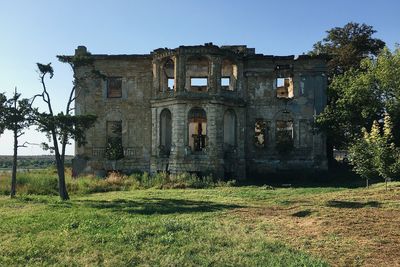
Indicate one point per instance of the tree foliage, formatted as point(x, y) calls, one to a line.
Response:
point(16, 114)
point(348, 46)
point(375, 154)
point(364, 95)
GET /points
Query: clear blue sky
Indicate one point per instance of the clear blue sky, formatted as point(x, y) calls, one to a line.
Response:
point(37, 31)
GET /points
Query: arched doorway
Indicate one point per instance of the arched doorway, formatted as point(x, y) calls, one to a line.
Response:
point(197, 124)
point(165, 132)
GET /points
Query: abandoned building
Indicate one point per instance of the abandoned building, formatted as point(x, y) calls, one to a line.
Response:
point(223, 110)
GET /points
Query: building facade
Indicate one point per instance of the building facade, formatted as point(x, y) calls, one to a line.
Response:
point(204, 109)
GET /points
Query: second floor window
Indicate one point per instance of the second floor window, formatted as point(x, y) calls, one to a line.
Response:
point(114, 87)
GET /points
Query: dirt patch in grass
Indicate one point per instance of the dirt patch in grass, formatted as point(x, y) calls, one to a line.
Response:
point(360, 228)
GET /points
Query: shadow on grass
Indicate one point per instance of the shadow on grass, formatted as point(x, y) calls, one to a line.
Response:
point(338, 177)
point(352, 204)
point(151, 206)
point(302, 213)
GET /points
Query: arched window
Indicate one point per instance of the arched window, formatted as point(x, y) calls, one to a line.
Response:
point(165, 132)
point(229, 129)
point(197, 123)
point(168, 81)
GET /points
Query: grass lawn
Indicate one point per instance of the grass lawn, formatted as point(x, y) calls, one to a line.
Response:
point(223, 226)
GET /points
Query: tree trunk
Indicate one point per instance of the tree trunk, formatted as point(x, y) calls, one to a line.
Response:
point(366, 180)
point(14, 167)
point(62, 188)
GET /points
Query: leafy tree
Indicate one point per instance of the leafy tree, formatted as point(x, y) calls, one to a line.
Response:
point(62, 127)
point(375, 154)
point(346, 47)
point(366, 94)
point(16, 117)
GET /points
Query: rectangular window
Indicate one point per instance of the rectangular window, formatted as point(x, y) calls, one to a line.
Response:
point(259, 133)
point(171, 84)
point(284, 87)
point(225, 81)
point(198, 81)
point(114, 87)
point(199, 84)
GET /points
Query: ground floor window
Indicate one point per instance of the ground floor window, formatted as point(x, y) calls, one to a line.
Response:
point(284, 135)
point(197, 123)
point(259, 132)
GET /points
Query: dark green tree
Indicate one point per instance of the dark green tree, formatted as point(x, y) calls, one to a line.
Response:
point(62, 127)
point(346, 47)
point(16, 117)
point(367, 94)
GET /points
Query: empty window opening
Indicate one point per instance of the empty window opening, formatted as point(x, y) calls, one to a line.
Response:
point(114, 149)
point(226, 83)
point(114, 87)
point(167, 79)
point(229, 72)
point(165, 132)
point(197, 73)
point(259, 133)
point(284, 87)
point(229, 129)
point(171, 83)
point(199, 84)
point(284, 136)
point(197, 129)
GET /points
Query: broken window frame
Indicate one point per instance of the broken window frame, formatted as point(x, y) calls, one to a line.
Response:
point(199, 116)
point(201, 87)
point(226, 86)
point(287, 84)
point(260, 133)
point(114, 90)
point(284, 135)
point(171, 84)
point(114, 149)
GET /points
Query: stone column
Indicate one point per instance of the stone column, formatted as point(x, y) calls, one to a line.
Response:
point(215, 148)
point(239, 80)
point(215, 75)
point(180, 72)
point(156, 77)
point(179, 124)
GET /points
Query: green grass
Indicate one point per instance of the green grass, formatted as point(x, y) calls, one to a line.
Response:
point(141, 227)
point(214, 226)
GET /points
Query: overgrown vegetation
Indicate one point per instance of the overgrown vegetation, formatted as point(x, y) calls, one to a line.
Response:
point(45, 182)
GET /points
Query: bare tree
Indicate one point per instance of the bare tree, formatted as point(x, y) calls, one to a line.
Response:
point(62, 127)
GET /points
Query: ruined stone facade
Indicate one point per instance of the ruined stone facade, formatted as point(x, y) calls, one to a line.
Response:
point(205, 109)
